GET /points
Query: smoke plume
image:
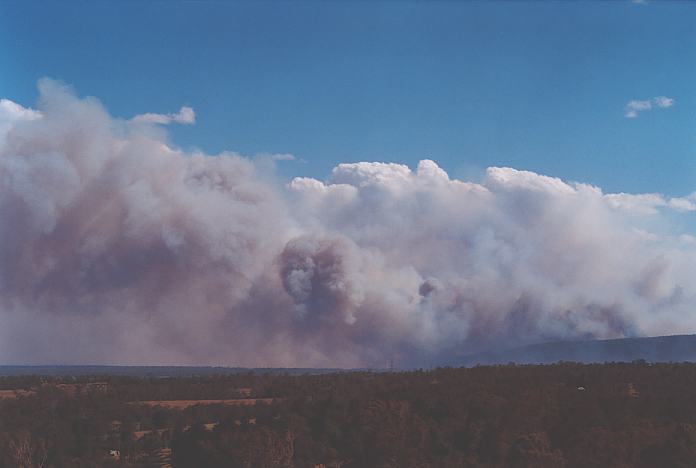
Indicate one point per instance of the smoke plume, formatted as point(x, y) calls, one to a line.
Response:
point(117, 247)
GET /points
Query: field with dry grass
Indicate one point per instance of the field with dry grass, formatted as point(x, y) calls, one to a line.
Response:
point(15, 393)
point(183, 404)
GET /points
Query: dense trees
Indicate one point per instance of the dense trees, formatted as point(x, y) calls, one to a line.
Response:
point(565, 415)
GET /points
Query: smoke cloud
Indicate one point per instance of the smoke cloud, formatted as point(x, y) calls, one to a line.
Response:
point(116, 247)
point(185, 116)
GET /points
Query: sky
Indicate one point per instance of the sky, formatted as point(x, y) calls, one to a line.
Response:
point(342, 184)
point(542, 86)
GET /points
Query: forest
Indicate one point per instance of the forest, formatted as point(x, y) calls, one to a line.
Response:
point(561, 415)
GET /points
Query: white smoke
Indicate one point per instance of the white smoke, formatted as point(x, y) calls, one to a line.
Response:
point(116, 247)
point(185, 116)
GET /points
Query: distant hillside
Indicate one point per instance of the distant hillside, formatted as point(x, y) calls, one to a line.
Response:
point(149, 371)
point(677, 348)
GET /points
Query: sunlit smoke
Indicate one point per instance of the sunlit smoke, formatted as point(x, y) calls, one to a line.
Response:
point(116, 247)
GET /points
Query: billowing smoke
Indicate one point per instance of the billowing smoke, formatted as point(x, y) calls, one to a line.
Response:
point(116, 247)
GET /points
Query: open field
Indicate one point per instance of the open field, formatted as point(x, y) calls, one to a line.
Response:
point(183, 404)
point(14, 393)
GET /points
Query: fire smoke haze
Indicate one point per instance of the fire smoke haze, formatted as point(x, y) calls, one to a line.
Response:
point(117, 247)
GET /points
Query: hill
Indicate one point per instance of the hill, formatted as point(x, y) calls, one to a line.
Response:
point(676, 348)
point(148, 371)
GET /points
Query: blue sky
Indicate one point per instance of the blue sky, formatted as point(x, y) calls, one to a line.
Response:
point(541, 86)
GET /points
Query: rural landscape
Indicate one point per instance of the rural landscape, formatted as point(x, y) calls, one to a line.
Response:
point(347, 234)
point(562, 415)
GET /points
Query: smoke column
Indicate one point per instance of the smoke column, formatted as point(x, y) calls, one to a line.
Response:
point(117, 247)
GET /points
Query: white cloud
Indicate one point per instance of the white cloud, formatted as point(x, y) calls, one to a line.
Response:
point(185, 116)
point(525, 180)
point(281, 157)
point(663, 101)
point(11, 112)
point(634, 107)
point(649, 203)
point(389, 176)
point(640, 204)
point(683, 204)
